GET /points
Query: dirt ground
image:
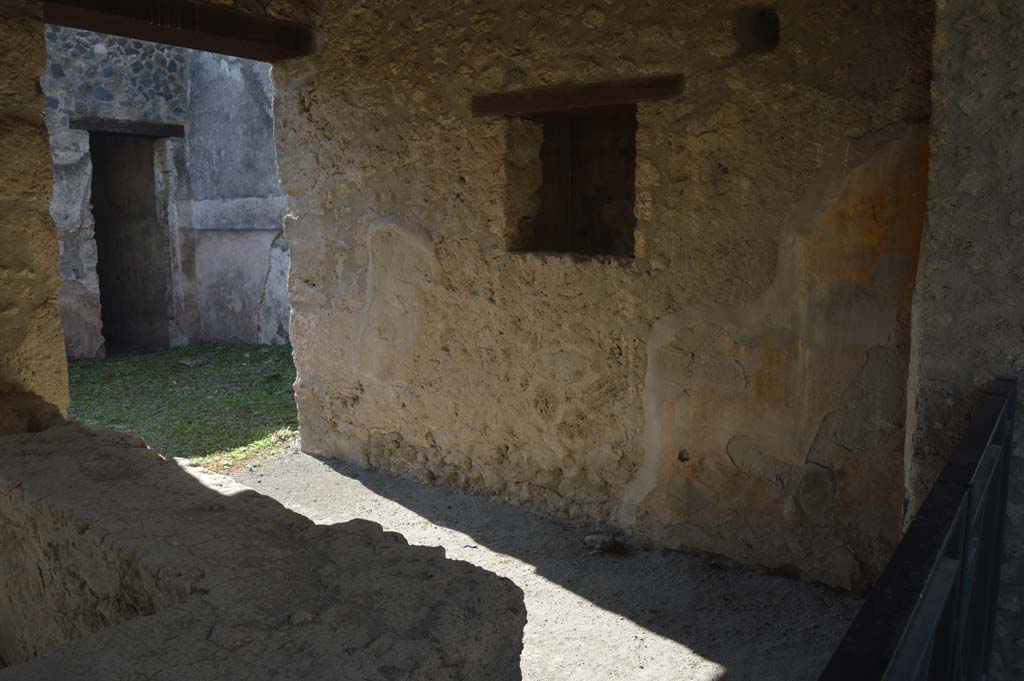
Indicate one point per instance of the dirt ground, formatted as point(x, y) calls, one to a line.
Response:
point(593, 616)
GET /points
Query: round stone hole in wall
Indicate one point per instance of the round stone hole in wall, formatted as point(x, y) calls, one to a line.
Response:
point(756, 29)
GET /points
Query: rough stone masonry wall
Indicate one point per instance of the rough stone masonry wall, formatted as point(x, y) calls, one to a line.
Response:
point(31, 344)
point(105, 77)
point(738, 387)
point(969, 301)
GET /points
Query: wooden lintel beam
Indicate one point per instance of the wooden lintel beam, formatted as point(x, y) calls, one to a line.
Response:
point(186, 24)
point(575, 96)
point(122, 127)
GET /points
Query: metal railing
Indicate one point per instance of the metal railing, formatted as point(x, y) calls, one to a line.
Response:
point(930, 615)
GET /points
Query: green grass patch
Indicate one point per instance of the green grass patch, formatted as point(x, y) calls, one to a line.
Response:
point(218, 403)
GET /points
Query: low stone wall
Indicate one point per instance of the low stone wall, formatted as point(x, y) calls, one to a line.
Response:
point(97, 531)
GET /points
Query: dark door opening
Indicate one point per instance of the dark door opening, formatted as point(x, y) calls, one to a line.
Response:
point(133, 262)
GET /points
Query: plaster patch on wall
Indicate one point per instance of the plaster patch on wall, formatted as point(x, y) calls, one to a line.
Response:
point(273, 306)
point(777, 401)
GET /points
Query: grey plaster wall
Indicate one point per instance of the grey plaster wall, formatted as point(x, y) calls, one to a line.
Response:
point(968, 319)
point(237, 205)
point(274, 308)
point(222, 177)
point(232, 266)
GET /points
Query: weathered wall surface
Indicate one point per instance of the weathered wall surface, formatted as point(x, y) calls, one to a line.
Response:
point(105, 77)
point(95, 530)
point(31, 344)
point(236, 203)
point(272, 322)
point(967, 305)
point(737, 387)
point(223, 177)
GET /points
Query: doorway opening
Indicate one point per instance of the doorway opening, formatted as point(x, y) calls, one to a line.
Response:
point(131, 244)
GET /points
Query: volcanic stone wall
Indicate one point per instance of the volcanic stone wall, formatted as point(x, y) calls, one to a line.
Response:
point(737, 386)
point(217, 195)
point(104, 77)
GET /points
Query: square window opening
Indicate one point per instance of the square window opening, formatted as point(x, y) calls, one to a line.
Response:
point(572, 182)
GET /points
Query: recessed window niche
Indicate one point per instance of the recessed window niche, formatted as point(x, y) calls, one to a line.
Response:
point(571, 164)
point(756, 29)
point(584, 193)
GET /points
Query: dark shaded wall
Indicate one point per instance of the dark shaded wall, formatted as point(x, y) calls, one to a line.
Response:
point(133, 264)
point(969, 300)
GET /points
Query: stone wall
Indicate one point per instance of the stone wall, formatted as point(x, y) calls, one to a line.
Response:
point(738, 386)
point(31, 344)
point(207, 183)
point(969, 296)
point(104, 77)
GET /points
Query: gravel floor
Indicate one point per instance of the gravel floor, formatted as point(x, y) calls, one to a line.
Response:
point(592, 617)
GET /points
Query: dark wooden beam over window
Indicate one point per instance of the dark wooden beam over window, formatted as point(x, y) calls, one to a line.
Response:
point(186, 24)
point(577, 97)
point(114, 125)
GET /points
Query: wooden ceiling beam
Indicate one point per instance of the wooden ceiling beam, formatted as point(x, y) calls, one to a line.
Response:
point(123, 127)
point(577, 97)
point(186, 24)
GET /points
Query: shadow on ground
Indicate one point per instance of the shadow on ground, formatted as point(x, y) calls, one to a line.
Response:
point(694, 617)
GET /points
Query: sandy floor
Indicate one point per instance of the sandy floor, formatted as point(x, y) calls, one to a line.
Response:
point(646, 615)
